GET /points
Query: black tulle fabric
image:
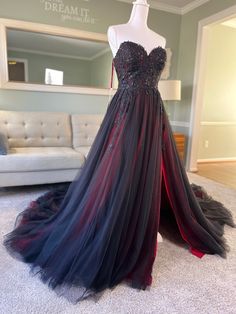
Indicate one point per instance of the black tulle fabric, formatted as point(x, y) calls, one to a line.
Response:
point(101, 229)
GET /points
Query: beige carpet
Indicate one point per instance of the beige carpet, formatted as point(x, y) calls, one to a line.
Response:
point(182, 283)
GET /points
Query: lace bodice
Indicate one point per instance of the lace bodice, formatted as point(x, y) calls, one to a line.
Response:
point(136, 68)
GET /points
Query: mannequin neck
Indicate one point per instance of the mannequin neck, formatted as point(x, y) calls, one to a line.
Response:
point(139, 16)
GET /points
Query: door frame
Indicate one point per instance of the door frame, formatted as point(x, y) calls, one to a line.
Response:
point(198, 82)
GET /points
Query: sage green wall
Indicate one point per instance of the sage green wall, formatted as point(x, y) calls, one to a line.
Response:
point(34, 101)
point(219, 95)
point(76, 71)
point(96, 72)
point(106, 12)
point(180, 32)
point(186, 60)
point(100, 74)
point(187, 51)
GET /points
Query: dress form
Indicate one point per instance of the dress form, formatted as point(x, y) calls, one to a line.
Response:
point(135, 30)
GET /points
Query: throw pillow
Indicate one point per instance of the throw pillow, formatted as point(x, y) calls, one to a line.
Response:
point(4, 146)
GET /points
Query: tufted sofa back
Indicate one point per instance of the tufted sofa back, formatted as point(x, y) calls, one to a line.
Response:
point(37, 129)
point(85, 128)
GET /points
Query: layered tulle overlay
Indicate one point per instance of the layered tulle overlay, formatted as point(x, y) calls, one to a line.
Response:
point(101, 229)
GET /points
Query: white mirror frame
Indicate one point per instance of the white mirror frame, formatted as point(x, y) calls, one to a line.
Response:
point(52, 30)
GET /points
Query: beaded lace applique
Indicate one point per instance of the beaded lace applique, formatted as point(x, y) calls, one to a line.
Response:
point(136, 68)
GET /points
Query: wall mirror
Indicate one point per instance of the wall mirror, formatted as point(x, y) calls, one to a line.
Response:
point(48, 58)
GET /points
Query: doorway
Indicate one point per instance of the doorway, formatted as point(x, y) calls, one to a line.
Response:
point(199, 81)
point(17, 70)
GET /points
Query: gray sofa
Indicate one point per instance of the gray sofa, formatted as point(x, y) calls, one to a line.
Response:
point(45, 147)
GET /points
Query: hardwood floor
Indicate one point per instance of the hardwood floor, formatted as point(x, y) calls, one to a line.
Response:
point(223, 172)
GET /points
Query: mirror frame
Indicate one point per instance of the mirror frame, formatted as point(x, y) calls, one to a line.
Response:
point(52, 30)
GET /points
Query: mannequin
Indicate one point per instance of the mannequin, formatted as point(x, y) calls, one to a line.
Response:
point(135, 30)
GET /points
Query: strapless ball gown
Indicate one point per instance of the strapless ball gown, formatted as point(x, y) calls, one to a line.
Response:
point(101, 229)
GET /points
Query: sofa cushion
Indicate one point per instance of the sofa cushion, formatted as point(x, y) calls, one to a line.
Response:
point(41, 158)
point(36, 129)
point(4, 147)
point(85, 128)
point(83, 149)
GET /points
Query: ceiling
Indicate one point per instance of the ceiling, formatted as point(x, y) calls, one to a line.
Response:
point(173, 6)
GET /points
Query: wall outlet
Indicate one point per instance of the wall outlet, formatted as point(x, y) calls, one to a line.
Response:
point(206, 144)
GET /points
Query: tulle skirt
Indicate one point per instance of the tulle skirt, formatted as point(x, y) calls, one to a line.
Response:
point(101, 229)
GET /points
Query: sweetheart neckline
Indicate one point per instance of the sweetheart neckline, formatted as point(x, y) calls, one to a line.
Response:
point(139, 45)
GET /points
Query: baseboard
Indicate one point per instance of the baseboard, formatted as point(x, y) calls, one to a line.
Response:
point(192, 170)
point(216, 160)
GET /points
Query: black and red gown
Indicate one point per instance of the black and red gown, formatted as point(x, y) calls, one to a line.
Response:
point(101, 229)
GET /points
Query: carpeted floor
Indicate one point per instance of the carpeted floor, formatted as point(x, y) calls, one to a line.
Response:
point(182, 283)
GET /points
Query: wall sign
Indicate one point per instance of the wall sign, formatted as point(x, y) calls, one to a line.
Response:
point(68, 12)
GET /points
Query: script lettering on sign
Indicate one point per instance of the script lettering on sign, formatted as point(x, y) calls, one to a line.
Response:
point(68, 12)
